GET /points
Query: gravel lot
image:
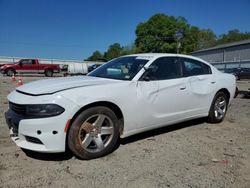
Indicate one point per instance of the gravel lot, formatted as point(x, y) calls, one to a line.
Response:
point(190, 154)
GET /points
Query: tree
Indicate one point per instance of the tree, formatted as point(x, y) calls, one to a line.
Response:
point(96, 56)
point(206, 38)
point(131, 49)
point(168, 34)
point(198, 39)
point(114, 50)
point(233, 36)
point(159, 34)
point(162, 33)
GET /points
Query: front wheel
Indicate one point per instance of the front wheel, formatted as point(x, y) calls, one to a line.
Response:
point(10, 72)
point(94, 133)
point(218, 108)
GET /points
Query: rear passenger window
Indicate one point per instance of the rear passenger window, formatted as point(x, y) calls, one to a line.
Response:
point(193, 67)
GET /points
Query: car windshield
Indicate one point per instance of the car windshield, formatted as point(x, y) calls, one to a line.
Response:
point(123, 68)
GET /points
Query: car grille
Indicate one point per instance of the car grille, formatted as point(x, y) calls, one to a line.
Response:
point(17, 108)
point(33, 140)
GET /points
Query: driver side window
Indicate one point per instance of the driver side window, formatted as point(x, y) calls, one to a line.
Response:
point(164, 68)
point(26, 62)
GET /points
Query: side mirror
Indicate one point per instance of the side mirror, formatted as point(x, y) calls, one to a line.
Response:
point(20, 64)
point(145, 76)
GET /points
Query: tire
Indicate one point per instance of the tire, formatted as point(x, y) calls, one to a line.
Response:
point(236, 92)
point(94, 133)
point(218, 108)
point(10, 72)
point(48, 73)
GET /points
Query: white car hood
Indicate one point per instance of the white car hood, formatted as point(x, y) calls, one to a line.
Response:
point(50, 86)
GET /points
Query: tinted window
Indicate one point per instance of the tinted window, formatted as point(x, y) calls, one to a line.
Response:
point(193, 67)
point(164, 68)
point(26, 61)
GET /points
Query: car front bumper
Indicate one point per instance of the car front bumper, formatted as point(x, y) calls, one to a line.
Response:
point(42, 135)
point(45, 135)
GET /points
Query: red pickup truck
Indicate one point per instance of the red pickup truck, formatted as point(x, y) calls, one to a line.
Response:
point(29, 66)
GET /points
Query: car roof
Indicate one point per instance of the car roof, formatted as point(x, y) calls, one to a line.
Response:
point(157, 55)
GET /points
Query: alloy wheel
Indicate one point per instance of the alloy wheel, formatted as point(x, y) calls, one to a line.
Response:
point(220, 107)
point(96, 133)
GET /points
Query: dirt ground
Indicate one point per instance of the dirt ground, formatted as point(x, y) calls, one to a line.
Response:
point(190, 154)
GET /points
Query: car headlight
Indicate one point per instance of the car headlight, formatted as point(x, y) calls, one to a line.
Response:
point(44, 110)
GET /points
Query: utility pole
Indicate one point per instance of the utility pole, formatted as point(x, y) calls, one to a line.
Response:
point(178, 46)
point(178, 36)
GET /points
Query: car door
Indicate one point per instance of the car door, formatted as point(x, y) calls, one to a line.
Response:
point(201, 82)
point(162, 93)
point(35, 66)
point(26, 66)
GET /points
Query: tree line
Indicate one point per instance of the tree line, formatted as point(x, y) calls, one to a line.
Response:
point(168, 34)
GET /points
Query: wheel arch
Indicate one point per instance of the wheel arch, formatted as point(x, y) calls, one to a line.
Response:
point(210, 117)
point(112, 106)
point(48, 68)
point(226, 92)
point(9, 68)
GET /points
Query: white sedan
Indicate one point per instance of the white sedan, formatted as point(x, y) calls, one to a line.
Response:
point(126, 96)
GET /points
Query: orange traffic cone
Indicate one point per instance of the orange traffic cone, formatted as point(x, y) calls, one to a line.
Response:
point(13, 77)
point(20, 82)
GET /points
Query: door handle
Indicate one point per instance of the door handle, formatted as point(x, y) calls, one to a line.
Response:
point(213, 82)
point(182, 87)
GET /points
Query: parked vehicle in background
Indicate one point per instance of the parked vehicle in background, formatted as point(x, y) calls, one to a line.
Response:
point(243, 73)
point(125, 96)
point(231, 70)
point(93, 67)
point(240, 72)
point(64, 69)
point(77, 69)
point(30, 66)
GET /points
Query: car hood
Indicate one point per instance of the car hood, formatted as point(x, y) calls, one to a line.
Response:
point(51, 86)
point(8, 64)
point(3, 66)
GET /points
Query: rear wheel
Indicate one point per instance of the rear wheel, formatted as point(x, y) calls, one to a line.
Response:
point(49, 73)
point(94, 133)
point(218, 108)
